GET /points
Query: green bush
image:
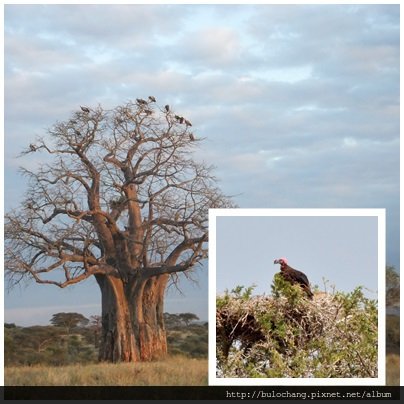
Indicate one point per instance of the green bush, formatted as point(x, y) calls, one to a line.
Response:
point(77, 341)
point(288, 335)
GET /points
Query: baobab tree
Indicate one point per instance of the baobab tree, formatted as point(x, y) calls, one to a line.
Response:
point(119, 197)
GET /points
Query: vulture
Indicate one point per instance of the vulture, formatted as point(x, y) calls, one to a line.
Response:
point(187, 123)
point(180, 119)
point(32, 147)
point(167, 108)
point(152, 99)
point(294, 276)
point(85, 109)
point(141, 102)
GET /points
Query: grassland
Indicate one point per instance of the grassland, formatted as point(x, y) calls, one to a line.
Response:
point(173, 371)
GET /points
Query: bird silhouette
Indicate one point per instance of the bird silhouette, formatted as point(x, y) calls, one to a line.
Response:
point(152, 99)
point(187, 122)
point(32, 147)
point(141, 101)
point(191, 137)
point(167, 108)
point(85, 109)
point(180, 119)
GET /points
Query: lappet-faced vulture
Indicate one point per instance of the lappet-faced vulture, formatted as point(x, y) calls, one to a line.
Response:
point(294, 276)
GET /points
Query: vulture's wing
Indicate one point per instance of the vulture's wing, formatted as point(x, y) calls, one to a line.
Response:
point(301, 278)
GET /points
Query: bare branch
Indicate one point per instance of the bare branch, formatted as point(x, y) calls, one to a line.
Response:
point(117, 194)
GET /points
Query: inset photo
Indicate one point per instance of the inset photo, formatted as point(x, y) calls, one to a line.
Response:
point(297, 297)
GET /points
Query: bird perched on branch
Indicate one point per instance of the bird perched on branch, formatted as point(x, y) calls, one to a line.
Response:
point(167, 108)
point(140, 101)
point(85, 109)
point(294, 276)
point(152, 99)
point(32, 147)
point(180, 119)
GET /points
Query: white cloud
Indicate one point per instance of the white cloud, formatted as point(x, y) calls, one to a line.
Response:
point(213, 46)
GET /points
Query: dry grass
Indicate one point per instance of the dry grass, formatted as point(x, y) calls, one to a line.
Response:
point(393, 370)
point(173, 371)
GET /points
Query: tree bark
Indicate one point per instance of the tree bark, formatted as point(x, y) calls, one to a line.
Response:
point(132, 318)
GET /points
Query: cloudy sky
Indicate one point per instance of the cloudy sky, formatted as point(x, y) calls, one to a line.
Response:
point(338, 252)
point(299, 105)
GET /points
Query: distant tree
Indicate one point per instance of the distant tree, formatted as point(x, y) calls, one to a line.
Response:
point(392, 286)
point(188, 340)
point(187, 318)
point(95, 322)
point(392, 321)
point(38, 337)
point(69, 320)
point(172, 320)
point(119, 197)
point(9, 325)
point(96, 326)
point(10, 347)
point(46, 345)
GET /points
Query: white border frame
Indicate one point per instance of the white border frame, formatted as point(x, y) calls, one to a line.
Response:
point(381, 221)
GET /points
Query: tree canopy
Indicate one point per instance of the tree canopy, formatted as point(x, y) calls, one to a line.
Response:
point(69, 320)
point(288, 335)
point(118, 190)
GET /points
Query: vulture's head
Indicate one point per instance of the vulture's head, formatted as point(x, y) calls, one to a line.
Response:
point(282, 261)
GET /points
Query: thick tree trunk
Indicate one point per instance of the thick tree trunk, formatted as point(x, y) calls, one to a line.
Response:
point(132, 319)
